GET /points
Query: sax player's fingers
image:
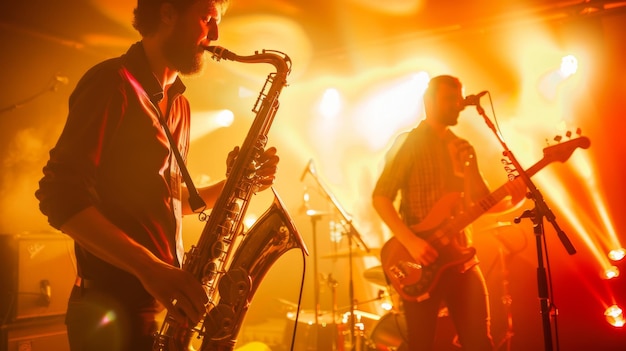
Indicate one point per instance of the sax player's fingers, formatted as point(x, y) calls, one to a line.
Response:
point(174, 307)
point(270, 151)
point(197, 299)
point(230, 159)
point(267, 181)
point(267, 171)
point(186, 311)
point(269, 156)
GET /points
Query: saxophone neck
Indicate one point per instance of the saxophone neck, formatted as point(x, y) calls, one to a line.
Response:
point(278, 59)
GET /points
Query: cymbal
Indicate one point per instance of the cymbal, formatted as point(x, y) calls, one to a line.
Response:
point(355, 253)
point(287, 303)
point(365, 314)
point(308, 317)
point(314, 213)
point(375, 275)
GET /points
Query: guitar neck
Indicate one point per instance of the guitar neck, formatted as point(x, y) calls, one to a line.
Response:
point(483, 205)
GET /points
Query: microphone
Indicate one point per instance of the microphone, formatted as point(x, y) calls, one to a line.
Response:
point(306, 170)
point(473, 100)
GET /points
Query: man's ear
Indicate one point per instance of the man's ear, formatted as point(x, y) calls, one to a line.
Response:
point(168, 13)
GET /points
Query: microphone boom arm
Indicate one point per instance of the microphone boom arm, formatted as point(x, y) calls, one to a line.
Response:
point(327, 193)
point(542, 208)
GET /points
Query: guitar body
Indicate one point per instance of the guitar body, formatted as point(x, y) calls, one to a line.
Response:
point(411, 280)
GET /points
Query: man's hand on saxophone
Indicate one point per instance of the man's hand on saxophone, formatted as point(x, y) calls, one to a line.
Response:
point(177, 290)
point(267, 165)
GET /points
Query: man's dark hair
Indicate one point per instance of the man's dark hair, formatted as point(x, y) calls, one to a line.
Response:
point(147, 17)
point(436, 82)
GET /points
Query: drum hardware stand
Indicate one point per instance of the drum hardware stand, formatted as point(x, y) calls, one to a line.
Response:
point(506, 300)
point(540, 212)
point(316, 283)
point(505, 297)
point(352, 233)
point(332, 283)
point(338, 340)
point(358, 341)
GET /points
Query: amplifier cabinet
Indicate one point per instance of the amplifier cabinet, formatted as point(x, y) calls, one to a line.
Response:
point(35, 334)
point(37, 272)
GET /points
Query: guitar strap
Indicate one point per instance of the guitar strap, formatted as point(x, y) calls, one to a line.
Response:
point(467, 187)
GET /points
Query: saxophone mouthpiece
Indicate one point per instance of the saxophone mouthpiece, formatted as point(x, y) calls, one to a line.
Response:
point(219, 53)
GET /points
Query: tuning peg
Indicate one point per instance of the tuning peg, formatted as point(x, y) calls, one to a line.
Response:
point(558, 138)
point(579, 132)
point(568, 134)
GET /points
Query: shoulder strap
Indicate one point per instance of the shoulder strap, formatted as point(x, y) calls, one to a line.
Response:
point(195, 201)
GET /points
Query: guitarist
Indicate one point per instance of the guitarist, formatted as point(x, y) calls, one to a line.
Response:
point(429, 163)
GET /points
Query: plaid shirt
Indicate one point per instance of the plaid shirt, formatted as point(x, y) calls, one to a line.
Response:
point(419, 167)
point(421, 170)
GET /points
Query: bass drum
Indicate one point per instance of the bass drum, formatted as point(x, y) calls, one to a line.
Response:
point(309, 336)
point(389, 333)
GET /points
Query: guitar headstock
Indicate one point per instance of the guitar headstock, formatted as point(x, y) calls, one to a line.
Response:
point(563, 150)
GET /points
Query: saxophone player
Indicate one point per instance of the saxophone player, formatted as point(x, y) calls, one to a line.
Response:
point(113, 184)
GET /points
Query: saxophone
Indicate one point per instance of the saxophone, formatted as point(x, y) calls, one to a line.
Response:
point(231, 276)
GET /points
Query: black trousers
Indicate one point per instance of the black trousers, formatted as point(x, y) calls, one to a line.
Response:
point(465, 295)
point(110, 319)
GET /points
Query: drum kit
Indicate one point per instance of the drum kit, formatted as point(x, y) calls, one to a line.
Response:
point(331, 330)
point(344, 328)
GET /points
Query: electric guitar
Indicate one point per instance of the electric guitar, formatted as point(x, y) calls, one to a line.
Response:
point(442, 225)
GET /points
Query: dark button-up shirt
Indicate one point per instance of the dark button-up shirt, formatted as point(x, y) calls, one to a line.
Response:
point(113, 154)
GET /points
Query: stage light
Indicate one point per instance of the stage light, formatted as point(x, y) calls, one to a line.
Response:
point(569, 66)
point(331, 103)
point(207, 122)
point(614, 316)
point(611, 272)
point(617, 254)
point(225, 118)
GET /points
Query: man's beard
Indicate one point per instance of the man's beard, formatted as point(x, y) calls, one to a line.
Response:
point(448, 118)
point(185, 57)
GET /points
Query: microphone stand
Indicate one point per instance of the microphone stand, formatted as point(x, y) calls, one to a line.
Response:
point(352, 233)
point(540, 212)
point(316, 283)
